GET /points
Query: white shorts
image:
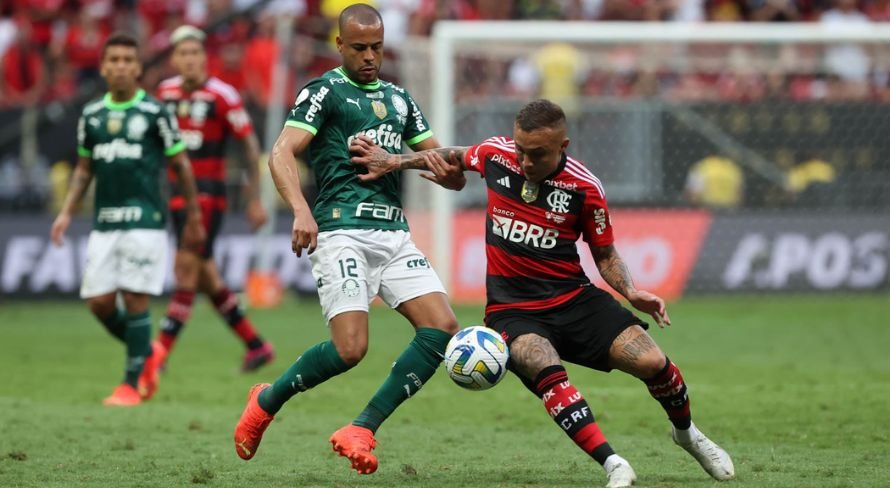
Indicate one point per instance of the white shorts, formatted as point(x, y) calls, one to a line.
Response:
point(351, 266)
point(129, 260)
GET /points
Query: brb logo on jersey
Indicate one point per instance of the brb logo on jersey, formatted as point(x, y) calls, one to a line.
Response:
point(515, 230)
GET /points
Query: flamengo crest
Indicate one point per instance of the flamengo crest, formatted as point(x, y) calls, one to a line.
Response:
point(559, 201)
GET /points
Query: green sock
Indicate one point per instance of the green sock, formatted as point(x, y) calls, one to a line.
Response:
point(116, 324)
point(138, 339)
point(412, 369)
point(318, 364)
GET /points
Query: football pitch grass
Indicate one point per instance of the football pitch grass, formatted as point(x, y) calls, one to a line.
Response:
point(797, 389)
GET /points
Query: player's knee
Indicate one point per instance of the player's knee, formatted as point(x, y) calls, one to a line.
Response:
point(352, 352)
point(650, 364)
point(102, 306)
point(448, 325)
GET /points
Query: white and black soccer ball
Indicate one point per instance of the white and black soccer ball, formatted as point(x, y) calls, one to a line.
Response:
point(476, 358)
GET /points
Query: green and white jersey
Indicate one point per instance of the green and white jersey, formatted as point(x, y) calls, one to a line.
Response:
point(129, 143)
point(336, 109)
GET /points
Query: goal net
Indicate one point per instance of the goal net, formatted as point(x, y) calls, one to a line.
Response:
point(735, 158)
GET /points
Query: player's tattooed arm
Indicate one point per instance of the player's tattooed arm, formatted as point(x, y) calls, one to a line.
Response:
point(445, 172)
point(614, 270)
point(379, 162)
point(193, 234)
point(531, 353)
point(80, 181)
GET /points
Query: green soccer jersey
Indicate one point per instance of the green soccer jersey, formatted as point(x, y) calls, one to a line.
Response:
point(128, 143)
point(336, 109)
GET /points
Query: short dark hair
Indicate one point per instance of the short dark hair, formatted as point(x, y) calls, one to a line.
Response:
point(120, 39)
point(539, 114)
point(362, 13)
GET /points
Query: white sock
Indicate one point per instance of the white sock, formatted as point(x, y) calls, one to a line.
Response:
point(686, 436)
point(612, 460)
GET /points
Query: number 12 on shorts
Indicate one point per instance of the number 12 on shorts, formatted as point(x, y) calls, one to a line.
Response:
point(347, 268)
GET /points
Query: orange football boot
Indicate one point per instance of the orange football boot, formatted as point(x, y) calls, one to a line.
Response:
point(149, 379)
point(355, 443)
point(252, 424)
point(123, 396)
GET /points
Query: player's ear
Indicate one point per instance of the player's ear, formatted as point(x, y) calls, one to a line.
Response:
point(565, 144)
point(339, 45)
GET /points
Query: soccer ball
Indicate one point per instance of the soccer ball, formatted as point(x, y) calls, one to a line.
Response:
point(476, 358)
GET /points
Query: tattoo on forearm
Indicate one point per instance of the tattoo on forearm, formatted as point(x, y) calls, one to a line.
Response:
point(614, 271)
point(416, 161)
point(530, 354)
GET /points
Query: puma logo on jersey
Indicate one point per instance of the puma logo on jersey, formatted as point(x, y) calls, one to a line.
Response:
point(354, 101)
point(515, 230)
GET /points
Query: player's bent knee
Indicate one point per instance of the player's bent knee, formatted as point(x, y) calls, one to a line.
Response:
point(651, 364)
point(352, 352)
point(449, 326)
point(102, 306)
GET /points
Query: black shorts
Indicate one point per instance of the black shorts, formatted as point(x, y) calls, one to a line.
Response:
point(581, 330)
point(212, 219)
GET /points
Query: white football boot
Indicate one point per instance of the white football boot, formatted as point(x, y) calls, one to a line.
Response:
point(711, 456)
point(618, 472)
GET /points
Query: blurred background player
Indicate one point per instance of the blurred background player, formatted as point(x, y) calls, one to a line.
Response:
point(364, 247)
point(209, 112)
point(540, 201)
point(123, 140)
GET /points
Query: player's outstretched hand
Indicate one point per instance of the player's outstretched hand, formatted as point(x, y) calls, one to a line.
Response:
point(304, 234)
point(652, 304)
point(256, 214)
point(57, 231)
point(447, 174)
point(371, 156)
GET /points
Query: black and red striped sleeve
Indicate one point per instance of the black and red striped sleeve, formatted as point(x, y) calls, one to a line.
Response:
point(474, 158)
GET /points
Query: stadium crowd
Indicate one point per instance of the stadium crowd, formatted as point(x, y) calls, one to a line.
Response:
point(50, 47)
point(50, 52)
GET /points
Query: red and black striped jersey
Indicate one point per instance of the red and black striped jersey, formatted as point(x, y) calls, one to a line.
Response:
point(208, 116)
point(531, 230)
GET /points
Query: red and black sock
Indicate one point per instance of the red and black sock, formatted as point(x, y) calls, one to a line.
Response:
point(570, 411)
point(669, 389)
point(178, 312)
point(226, 304)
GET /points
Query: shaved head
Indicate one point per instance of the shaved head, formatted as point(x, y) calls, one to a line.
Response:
point(361, 13)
